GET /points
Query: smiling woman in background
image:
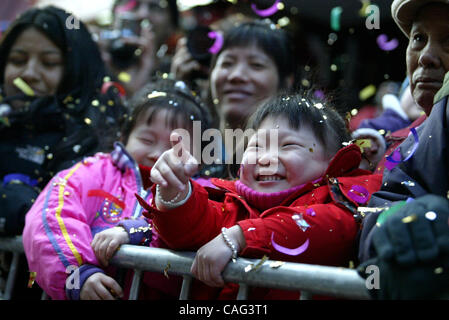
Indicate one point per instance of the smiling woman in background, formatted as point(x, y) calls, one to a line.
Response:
point(253, 65)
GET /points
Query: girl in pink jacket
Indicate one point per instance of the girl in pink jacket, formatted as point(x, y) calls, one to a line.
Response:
point(98, 193)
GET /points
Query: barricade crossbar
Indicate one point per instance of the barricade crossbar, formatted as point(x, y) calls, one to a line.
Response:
point(309, 279)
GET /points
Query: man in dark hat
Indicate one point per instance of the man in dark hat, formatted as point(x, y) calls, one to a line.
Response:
point(407, 236)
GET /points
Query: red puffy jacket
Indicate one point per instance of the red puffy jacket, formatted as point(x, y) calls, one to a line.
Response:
point(328, 207)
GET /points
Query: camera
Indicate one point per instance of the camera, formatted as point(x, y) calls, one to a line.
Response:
point(199, 43)
point(123, 54)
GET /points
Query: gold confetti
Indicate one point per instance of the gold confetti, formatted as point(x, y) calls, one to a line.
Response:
point(23, 86)
point(124, 77)
point(5, 120)
point(362, 11)
point(252, 267)
point(31, 279)
point(284, 21)
point(363, 143)
point(156, 94)
point(409, 218)
point(367, 92)
point(166, 270)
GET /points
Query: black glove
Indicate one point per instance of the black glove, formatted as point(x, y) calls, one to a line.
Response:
point(395, 282)
point(412, 247)
point(413, 233)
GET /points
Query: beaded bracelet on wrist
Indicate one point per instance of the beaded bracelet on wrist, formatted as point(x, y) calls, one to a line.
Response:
point(229, 243)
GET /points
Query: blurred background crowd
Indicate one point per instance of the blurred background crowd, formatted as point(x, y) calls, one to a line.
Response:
point(334, 49)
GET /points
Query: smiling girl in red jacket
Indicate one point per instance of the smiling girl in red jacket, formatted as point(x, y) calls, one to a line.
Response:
point(296, 199)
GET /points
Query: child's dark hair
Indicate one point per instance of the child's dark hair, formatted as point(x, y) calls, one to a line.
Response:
point(304, 109)
point(166, 94)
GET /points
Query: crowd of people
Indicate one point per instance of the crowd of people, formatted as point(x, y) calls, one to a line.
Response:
point(95, 137)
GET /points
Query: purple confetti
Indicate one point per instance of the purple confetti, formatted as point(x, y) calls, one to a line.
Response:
point(409, 200)
point(394, 159)
point(359, 194)
point(311, 212)
point(319, 94)
point(266, 12)
point(384, 44)
point(215, 48)
point(290, 252)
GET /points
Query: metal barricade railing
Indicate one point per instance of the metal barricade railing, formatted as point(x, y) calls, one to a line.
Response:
point(309, 279)
point(323, 280)
point(13, 245)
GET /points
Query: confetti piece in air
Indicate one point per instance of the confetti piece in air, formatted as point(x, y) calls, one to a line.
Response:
point(335, 18)
point(384, 44)
point(319, 94)
point(290, 252)
point(31, 279)
point(394, 159)
point(408, 183)
point(301, 222)
point(268, 11)
point(367, 92)
point(276, 264)
point(23, 86)
point(430, 215)
point(126, 7)
point(166, 270)
point(365, 4)
point(124, 77)
point(254, 267)
point(218, 43)
point(156, 94)
point(363, 143)
point(310, 212)
point(409, 218)
point(359, 194)
point(109, 84)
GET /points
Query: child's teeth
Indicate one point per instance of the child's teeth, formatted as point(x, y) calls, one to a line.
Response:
point(269, 178)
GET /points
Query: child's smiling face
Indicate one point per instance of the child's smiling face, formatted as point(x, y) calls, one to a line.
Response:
point(294, 158)
point(147, 141)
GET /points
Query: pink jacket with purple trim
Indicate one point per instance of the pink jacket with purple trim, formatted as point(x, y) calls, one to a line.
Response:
point(95, 194)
